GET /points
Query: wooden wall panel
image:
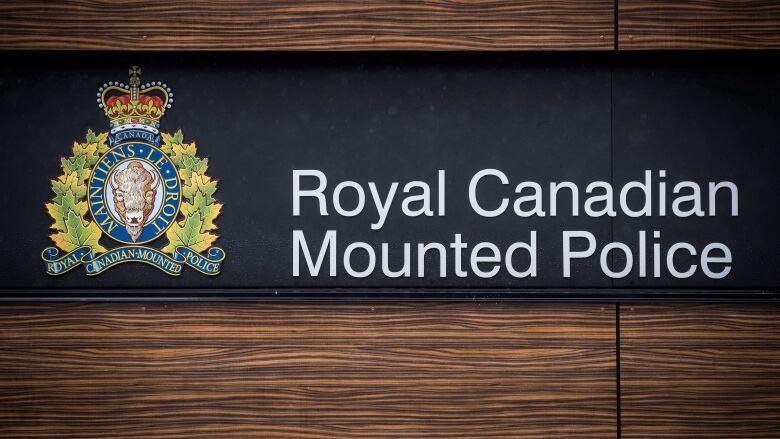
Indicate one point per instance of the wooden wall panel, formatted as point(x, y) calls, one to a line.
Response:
point(204, 370)
point(698, 24)
point(389, 25)
point(700, 371)
point(308, 25)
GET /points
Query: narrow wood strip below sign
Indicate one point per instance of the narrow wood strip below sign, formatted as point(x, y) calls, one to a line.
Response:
point(200, 370)
point(698, 24)
point(700, 371)
point(309, 25)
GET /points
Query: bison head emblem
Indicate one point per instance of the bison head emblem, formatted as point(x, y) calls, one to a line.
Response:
point(135, 189)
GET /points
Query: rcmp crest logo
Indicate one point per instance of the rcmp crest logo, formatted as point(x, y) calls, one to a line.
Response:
point(134, 186)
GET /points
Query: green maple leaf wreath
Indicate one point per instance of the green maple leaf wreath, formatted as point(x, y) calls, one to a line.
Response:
point(68, 207)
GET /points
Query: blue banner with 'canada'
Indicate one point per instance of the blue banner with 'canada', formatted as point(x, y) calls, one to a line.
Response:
point(209, 263)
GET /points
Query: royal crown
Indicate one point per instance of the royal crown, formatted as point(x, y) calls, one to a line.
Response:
point(135, 107)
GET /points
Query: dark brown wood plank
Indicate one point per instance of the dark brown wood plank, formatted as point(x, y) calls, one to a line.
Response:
point(698, 24)
point(700, 371)
point(204, 370)
point(308, 25)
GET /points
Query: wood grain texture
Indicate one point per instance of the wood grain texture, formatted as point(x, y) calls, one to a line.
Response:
point(204, 370)
point(700, 371)
point(698, 24)
point(308, 25)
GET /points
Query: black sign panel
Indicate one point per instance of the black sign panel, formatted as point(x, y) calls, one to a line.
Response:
point(376, 173)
